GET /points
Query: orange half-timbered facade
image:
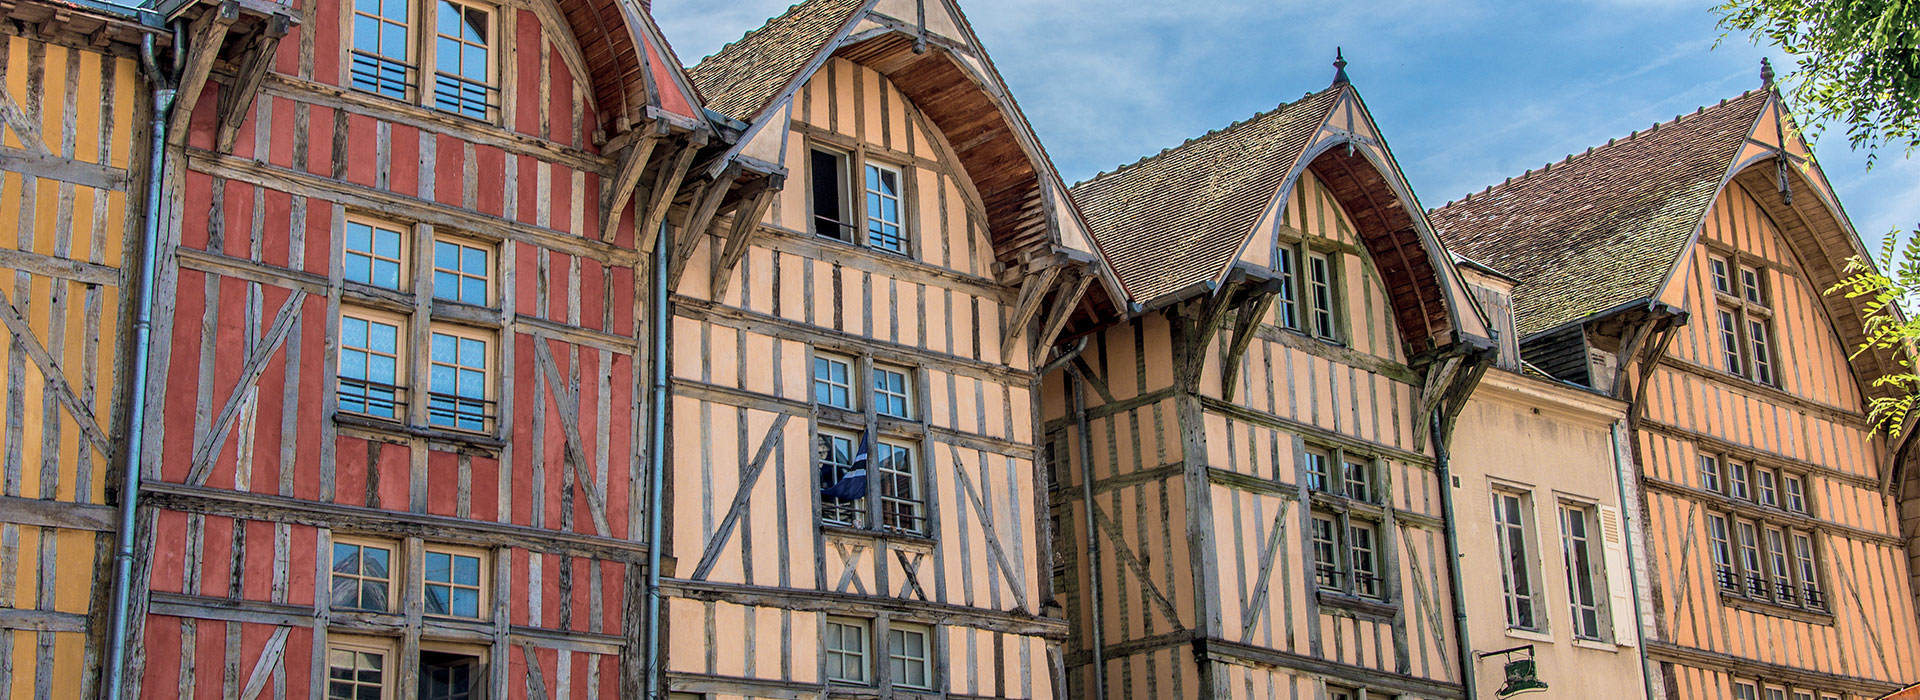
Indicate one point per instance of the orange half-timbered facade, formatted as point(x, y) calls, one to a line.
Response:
point(1688, 275)
point(855, 471)
point(1250, 500)
point(396, 444)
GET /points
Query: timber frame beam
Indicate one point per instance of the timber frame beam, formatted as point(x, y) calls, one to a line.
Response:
point(1450, 379)
point(252, 66)
point(205, 35)
point(707, 197)
point(632, 163)
point(746, 223)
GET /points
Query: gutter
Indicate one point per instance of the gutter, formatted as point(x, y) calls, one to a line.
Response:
point(656, 460)
point(1096, 633)
point(120, 601)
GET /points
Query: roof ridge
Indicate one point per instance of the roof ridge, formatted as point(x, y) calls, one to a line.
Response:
point(1571, 157)
point(1211, 133)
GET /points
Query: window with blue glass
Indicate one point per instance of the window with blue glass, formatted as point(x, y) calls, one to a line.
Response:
point(374, 253)
point(463, 66)
point(462, 271)
point(883, 209)
point(453, 583)
point(381, 57)
point(891, 394)
point(457, 392)
point(369, 373)
point(833, 381)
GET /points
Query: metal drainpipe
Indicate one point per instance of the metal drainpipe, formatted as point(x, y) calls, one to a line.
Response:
point(656, 460)
point(1093, 539)
point(1633, 575)
point(1447, 522)
point(163, 95)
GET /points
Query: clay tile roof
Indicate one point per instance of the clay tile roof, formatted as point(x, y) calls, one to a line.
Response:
point(1177, 218)
point(1601, 228)
point(745, 75)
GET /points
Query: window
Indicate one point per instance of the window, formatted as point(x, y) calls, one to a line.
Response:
point(901, 506)
point(453, 583)
point(1776, 693)
point(1362, 538)
point(1516, 571)
point(883, 208)
point(463, 72)
point(1750, 560)
point(1358, 478)
point(457, 391)
point(1750, 284)
point(828, 170)
point(890, 394)
point(1582, 569)
point(1338, 693)
point(1740, 477)
point(1796, 493)
point(908, 651)
point(382, 39)
point(1320, 295)
point(846, 650)
point(1762, 352)
point(1809, 572)
point(1777, 565)
point(1766, 486)
point(1326, 553)
point(359, 669)
point(1319, 470)
point(836, 457)
point(1724, 572)
point(387, 36)
point(832, 382)
point(461, 272)
point(373, 254)
point(1286, 301)
point(1730, 343)
point(1721, 281)
point(446, 675)
point(1743, 690)
point(362, 576)
point(1710, 473)
point(369, 372)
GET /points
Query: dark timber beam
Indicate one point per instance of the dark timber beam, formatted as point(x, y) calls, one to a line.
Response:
point(746, 223)
point(665, 186)
point(1065, 301)
point(205, 36)
point(1244, 325)
point(1032, 291)
point(632, 164)
point(254, 62)
point(1213, 312)
point(706, 203)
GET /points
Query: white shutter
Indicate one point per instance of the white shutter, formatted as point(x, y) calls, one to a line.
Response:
point(1626, 630)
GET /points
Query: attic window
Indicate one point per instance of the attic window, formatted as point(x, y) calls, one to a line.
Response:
point(827, 173)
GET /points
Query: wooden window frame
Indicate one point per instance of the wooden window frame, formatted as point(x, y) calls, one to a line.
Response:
point(402, 358)
point(489, 402)
point(850, 387)
point(388, 649)
point(1286, 261)
point(905, 396)
point(1588, 516)
point(868, 218)
point(491, 280)
point(422, 42)
point(852, 160)
point(483, 599)
point(926, 648)
point(1726, 566)
point(395, 565)
point(916, 502)
point(1711, 474)
point(1335, 483)
point(481, 654)
point(866, 422)
point(1504, 531)
point(865, 654)
point(1332, 332)
point(411, 68)
point(1747, 303)
point(404, 278)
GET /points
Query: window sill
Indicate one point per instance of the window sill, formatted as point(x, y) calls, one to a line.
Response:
point(902, 540)
point(1777, 610)
point(1530, 635)
point(1355, 604)
point(475, 440)
point(1596, 645)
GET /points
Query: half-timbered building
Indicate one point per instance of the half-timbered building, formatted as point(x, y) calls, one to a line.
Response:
point(395, 446)
point(1684, 269)
point(73, 164)
point(1249, 498)
point(856, 485)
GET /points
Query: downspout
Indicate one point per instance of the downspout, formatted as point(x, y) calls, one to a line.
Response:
point(1079, 390)
point(656, 459)
point(131, 446)
point(1633, 573)
point(1447, 523)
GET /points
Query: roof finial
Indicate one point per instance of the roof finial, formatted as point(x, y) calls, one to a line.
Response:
point(1339, 67)
point(1766, 73)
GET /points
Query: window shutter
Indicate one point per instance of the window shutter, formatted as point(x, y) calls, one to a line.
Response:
point(1626, 630)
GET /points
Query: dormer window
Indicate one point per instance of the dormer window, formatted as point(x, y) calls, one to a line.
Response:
point(871, 214)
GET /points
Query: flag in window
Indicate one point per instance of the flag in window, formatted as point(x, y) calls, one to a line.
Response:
point(850, 481)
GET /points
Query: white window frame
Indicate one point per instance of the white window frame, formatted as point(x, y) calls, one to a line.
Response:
point(870, 219)
point(1286, 263)
point(884, 396)
point(829, 361)
point(386, 649)
point(1512, 509)
point(832, 644)
point(1322, 299)
point(1580, 544)
point(899, 513)
point(902, 662)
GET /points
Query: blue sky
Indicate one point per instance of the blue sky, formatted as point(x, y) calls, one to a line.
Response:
point(1467, 92)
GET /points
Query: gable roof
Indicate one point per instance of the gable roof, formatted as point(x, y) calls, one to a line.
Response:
point(1175, 219)
point(1605, 227)
point(744, 77)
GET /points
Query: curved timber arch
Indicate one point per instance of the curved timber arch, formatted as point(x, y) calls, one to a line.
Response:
point(613, 48)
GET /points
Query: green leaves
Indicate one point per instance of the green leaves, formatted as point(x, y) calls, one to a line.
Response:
point(1889, 295)
point(1857, 62)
